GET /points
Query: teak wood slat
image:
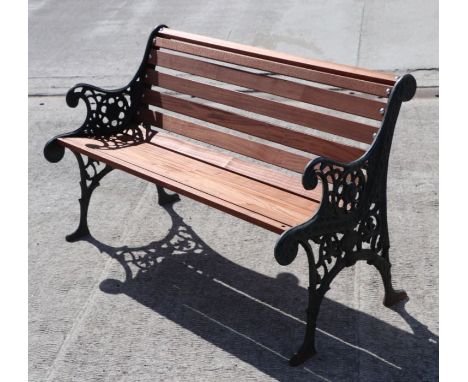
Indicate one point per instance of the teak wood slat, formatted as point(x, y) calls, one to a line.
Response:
point(228, 162)
point(260, 129)
point(304, 93)
point(351, 71)
point(255, 200)
point(256, 150)
point(307, 118)
point(183, 189)
point(339, 81)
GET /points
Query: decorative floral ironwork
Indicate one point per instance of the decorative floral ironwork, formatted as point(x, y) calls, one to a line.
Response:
point(107, 111)
point(91, 173)
point(343, 186)
point(351, 223)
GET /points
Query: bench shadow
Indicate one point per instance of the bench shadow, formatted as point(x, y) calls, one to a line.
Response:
point(260, 319)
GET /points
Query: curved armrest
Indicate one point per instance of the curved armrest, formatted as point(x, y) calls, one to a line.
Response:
point(107, 112)
point(352, 212)
point(344, 185)
point(345, 189)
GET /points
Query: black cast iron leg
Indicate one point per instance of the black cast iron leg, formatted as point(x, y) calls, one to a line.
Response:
point(90, 176)
point(307, 350)
point(165, 198)
point(392, 296)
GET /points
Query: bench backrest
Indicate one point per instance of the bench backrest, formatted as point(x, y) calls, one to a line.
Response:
point(301, 108)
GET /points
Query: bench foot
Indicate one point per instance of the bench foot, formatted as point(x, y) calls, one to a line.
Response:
point(78, 234)
point(165, 198)
point(392, 296)
point(90, 176)
point(307, 350)
point(301, 356)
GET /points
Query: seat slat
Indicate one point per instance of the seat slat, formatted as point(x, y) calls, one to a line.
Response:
point(251, 170)
point(256, 150)
point(251, 126)
point(276, 67)
point(351, 71)
point(288, 89)
point(307, 118)
point(253, 201)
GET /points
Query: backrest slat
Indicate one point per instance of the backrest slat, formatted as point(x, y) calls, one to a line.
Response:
point(350, 71)
point(322, 97)
point(292, 108)
point(308, 118)
point(260, 129)
point(339, 81)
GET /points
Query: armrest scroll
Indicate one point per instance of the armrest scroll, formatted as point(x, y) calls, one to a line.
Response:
point(107, 111)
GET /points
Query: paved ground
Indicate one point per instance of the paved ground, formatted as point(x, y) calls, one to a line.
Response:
point(212, 304)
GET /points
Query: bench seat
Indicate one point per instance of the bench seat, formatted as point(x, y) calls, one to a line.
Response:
point(250, 191)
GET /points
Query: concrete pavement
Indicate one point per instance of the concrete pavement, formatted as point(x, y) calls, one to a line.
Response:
point(191, 293)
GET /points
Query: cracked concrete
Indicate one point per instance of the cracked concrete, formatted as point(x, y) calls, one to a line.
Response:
point(218, 307)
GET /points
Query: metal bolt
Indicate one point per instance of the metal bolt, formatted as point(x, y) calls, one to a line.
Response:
point(374, 135)
point(382, 110)
point(387, 91)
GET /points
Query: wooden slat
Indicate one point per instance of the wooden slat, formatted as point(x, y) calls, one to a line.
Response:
point(276, 67)
point(322, 97)
point(351, 71)
point(182, 189)
point(228, 162)
point(256, 202)
point(256, 150)
point(287, 137)
point(308, 118)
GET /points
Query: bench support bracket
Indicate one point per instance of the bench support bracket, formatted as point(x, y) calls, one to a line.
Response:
point(351, 223)
point(90, 174)
point(392, 296)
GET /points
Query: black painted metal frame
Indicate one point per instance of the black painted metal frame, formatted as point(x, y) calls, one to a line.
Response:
point(107, 111)
point(350, 225)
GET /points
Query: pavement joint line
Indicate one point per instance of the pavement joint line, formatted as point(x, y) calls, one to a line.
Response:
point(45, 95)
point(74, 330)
point(251, 340)
point(130, 75)
point(361, 24)
point(303, 322)
point(357, 323)
point(286, 314)
point(71, 336)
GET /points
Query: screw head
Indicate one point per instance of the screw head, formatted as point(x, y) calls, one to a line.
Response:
point(382, 110)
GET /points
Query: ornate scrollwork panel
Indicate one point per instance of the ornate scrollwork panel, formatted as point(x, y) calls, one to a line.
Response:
point(107, 112)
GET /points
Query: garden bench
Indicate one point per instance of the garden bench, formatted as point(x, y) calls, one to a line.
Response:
point(199, 107)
